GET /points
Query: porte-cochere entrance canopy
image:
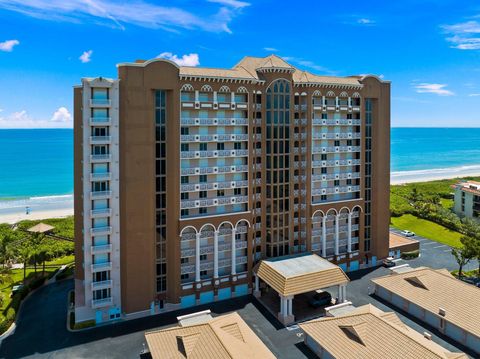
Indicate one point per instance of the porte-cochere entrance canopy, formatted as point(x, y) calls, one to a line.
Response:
point(293, 275)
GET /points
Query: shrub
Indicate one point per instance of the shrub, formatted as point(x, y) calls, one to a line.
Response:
point(85, 324)
point(410, 255)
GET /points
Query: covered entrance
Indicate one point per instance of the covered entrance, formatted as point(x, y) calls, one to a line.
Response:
point(292, 276)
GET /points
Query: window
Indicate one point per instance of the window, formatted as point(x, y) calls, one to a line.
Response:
point(184, 130)
point(184, 260)
point(220, 193)
point(202, 194)
point(220, 146)
point(184, 195)
point(184, 276)
point(203, 146)
point(237, 146)
point(184, 147)
point(101, 294)
point(203, 257)
point(184, 179)
point(203, 210)
point(336, 183)
point(203, 178)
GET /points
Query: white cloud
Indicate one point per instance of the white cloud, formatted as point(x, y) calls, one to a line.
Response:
point(233, 3)
point(214, 18)
point(438, 89)
point(185, 60)
point(8, 45)
point(365, 21)
point(270, 49)
point(86, 56)
point(464, 36)
point(474, 95)
point(61, 118)
point(61, 115)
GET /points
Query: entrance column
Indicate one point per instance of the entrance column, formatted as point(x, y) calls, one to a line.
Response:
point(233, 250)
point(256, 291)
point(324, 236)
point(337, 234)
point(215, 254)
point(349, 243)
point(197, 257)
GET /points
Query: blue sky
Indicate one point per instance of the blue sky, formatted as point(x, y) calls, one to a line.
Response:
point(429, 49)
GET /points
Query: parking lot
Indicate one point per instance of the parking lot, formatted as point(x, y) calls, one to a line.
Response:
point(42, 333)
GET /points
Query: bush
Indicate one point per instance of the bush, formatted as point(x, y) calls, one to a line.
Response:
point(85, 324)
point(66, 273)
point(36, 283)
point(410, 255)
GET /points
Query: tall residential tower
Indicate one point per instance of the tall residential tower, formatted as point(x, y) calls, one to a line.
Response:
point(186, 177)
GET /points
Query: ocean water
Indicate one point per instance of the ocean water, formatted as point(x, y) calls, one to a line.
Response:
point(36, 163)
point(36, 166)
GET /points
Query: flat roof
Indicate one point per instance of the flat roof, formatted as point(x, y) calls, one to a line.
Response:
point(368, 332)
point(433, 289)
point(224, 337)
point(292, 275)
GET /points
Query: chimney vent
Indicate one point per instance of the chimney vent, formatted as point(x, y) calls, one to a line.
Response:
point(427, 335)
point(442, 312)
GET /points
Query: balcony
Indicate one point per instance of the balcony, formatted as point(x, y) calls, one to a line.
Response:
point(100, 121)
point(218, 201)
point(191, 187)
point(102, 284)
point(100, 194)
point(99, 267)
point(100, 102)
point(334, 190)
point(336, 149)
point(100, 158)
point(335, 163)
point(336, 135)
point(335, 176)
point(233, 137)
point(104, 212)
point(100, 230)
point(99, 303)
point(98, 140)
point(100, 176)
point(213, 121)
point(337, 122)
point(213, 154)
point(104, 248)
point(212, 170)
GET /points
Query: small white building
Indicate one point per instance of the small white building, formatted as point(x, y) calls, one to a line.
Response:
point(467, 199)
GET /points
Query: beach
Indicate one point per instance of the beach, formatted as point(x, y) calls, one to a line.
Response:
point(402, 177)
point(12, 211)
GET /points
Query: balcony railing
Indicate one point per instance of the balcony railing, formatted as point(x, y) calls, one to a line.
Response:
point(102, 157)
point(101, 266)
point(222, 137)
point(100, 102)
point(100, 176)
point(100, 139)
point(99, 303)
point(218, 201)
point(100, 194)
point(104, 248)
point(104, 212)
point(213, 154)
point(336, 135)
point(336, 149)
point(101, 284)
point(101, 230)
point(191, 187)
point(337, 122)
point(334, 163)
point(100, 120)
point(213, 121)
point(335, 176)
point(334, 190)
point(211, 170)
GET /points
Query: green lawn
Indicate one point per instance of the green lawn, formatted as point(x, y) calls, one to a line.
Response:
point(427, 229)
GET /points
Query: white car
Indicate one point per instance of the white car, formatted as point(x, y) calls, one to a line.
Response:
point(408, 234)
point(389, 262)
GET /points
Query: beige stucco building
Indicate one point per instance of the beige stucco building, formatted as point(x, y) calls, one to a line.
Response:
point(186, 177)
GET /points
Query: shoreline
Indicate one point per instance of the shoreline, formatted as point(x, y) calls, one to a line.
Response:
point(13, 210)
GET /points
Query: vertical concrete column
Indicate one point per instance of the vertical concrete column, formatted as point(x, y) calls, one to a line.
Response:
point(233, 250)
point(323, 101)
point(197, 257)
point(336, 101)
point(233, 97)
point(283, 306)
point(349, 242)
point(196, 96)
point(344, 292)
point(290, 304)
point(324, 236)
point(340, 294)
point(214, 96)
point(337, 233)
point(215, 254)
point(349, 101)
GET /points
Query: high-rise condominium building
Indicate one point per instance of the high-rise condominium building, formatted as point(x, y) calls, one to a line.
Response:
point(186, 177)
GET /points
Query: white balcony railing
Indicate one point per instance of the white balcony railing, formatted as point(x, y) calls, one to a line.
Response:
point(101, 230)
point(104, 248)
point(100, 139)
point(100, 121)
point(100, 102)
point(100, 176)
point(104, 212)
point(99, 267)
point(100, 158)
point(99, 303)
point(100, 194)
point(101, 284)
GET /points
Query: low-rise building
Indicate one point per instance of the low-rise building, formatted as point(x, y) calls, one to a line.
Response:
point(467, 199)
point(438, 299)
point(224, 337)
point(368, 332)
point(400, 244)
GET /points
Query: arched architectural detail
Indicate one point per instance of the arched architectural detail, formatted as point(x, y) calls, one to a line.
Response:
point(296, 94)
point(344, 210)
point(331, 210)
point(330, 94)
point(242, 89)
point(356, 95)
point(242, 220)
point(358, 207)
point(224, 89)
point(187, 88)
point(224, 223)
point(317, 93)
point(343, 94)
point(206, 225)
point(206, 88)
point(318, 211)
point(303, 94)
point(188, 227)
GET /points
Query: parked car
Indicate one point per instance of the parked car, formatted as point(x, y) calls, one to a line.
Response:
point(408, 233)
point(16, 289)
point(389, 262)
point(320, 299)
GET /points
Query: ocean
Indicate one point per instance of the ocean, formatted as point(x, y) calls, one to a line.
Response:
point(37, 165)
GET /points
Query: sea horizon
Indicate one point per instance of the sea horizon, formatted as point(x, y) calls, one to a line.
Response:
point(415, 152)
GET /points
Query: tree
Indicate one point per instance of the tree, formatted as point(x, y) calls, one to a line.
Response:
point(463, 255)
point(472, 244)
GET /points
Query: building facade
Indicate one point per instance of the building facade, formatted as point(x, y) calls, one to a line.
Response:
point(467, 199)
point(203, 172)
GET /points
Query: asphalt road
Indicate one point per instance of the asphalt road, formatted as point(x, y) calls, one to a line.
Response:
point(41, 327)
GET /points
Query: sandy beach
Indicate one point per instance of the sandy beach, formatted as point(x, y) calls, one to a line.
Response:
point(40, 208)
point(433, 174)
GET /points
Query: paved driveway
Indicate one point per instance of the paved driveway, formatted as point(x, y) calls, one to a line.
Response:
point(42, 333)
